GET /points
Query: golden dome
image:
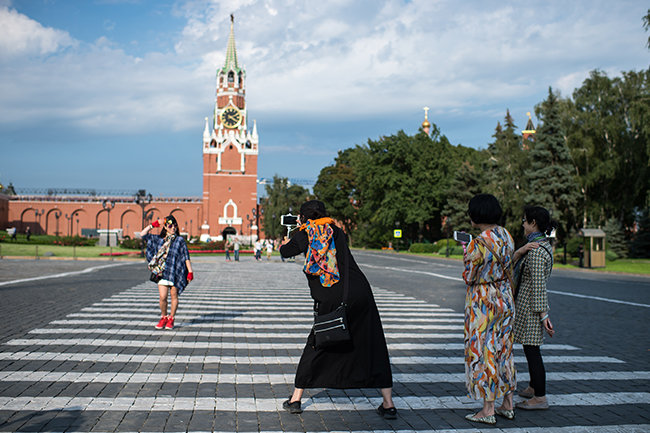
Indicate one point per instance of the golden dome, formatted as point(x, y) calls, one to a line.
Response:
point(426, 123)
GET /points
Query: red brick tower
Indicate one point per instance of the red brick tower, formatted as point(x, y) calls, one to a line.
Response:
point(229, 155)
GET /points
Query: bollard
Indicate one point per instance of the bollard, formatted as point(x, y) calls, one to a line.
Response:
point(36, 252)
point(111, 253)
point(74, 252)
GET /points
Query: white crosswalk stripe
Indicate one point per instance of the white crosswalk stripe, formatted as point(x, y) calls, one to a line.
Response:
point(264, 329)
point(117, 377)
point(627, 428)
point(265, 360)
point(247, 404)
point(109, 342)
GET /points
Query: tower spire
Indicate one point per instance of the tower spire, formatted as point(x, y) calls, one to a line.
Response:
point(426, 126)
point(529, 132)
point(231, 51)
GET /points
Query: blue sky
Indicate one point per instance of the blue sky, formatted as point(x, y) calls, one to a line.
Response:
point(112, 94)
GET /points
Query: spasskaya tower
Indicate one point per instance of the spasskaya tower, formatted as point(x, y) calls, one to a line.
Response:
point(230, 152)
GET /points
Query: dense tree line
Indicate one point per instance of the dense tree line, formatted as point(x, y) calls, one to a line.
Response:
point(588, 162)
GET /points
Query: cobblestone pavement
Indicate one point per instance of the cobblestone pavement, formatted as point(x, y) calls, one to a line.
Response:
point(19, 269)
point(230, 361)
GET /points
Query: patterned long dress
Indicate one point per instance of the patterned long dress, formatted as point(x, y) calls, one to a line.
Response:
point(489, 316)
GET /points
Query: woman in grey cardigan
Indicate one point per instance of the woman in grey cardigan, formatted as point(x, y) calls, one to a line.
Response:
point(531, 301)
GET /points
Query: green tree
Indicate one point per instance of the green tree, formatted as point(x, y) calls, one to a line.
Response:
point(403, 180)
point(551, 173)
point(616, 237)
point(506, 165)
point(608, 126)
point(466, 183)
point(337, 188)
point(281, 198)
point(640, 245)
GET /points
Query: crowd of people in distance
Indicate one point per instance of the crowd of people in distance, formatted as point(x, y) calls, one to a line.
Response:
point(506, 303)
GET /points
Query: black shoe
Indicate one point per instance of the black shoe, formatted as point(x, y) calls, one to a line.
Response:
point(390, 413)
point(292, 407)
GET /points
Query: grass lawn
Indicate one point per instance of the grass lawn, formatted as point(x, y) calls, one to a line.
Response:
point(27, 250)
point(628, 266)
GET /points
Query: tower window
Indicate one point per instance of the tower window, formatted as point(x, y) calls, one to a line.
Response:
point(231, 77)
point(230, 147)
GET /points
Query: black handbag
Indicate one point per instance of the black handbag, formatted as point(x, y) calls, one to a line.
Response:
point(332, 328)
point(155, 277)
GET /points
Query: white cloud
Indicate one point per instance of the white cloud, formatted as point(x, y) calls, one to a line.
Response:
point(341, 60)
point(24, 36)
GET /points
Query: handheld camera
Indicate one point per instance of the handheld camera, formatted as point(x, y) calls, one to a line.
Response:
point(290, 222)
point(462, 237)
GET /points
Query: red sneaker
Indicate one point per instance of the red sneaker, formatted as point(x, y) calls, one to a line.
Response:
point(170, 323)
point(162, 323)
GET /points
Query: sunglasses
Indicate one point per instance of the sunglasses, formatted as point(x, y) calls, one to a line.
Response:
point(523, 220)
point(169, 224)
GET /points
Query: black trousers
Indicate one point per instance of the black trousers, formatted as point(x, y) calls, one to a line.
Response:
point(536, 370)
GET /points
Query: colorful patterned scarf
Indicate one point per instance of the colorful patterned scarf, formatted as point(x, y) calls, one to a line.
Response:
point(157, 264)
point(321, 254)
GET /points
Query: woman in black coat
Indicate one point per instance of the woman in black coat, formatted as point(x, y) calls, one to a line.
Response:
point(361, 362)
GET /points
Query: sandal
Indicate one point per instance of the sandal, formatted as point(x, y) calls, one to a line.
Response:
point(528, 405)
point(490, 419)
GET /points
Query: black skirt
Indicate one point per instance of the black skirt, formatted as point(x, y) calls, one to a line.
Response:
point(362, 362)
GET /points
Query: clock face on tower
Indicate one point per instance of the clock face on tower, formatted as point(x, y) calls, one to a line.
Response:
point(231, 117)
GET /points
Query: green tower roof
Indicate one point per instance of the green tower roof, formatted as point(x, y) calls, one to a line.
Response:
point(231, 51)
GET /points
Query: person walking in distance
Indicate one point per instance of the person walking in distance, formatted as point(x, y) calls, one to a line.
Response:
point(169, 262)
point(531, 301)
point(258, 250)
point(235, 249)
point(227, 248)
point(269, 249)
point(361, 362)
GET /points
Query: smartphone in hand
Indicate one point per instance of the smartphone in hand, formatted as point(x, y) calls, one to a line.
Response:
point(462, 237)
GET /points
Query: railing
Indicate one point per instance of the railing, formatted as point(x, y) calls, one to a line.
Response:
point(91, 199)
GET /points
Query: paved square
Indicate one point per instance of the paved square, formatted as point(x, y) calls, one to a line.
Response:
point(229, 364)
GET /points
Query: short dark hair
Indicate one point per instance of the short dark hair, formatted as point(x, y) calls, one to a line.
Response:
point(312, 210)
point(542, 218)
point(484, 209)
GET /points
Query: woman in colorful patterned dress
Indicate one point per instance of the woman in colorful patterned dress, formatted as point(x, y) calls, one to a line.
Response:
point(489, 312)
point(531, 303)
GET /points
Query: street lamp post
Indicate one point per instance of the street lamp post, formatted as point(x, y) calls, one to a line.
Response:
point(255, 218)
point(38, 218)
point(108, 205)
point(57, 215)
point(142, 199)
point(250, 220)
point(69, 218)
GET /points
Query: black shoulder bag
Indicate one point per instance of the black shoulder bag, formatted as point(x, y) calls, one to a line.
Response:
point(332, 328)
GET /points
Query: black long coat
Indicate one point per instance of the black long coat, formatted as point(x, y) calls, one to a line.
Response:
point(362, 362)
